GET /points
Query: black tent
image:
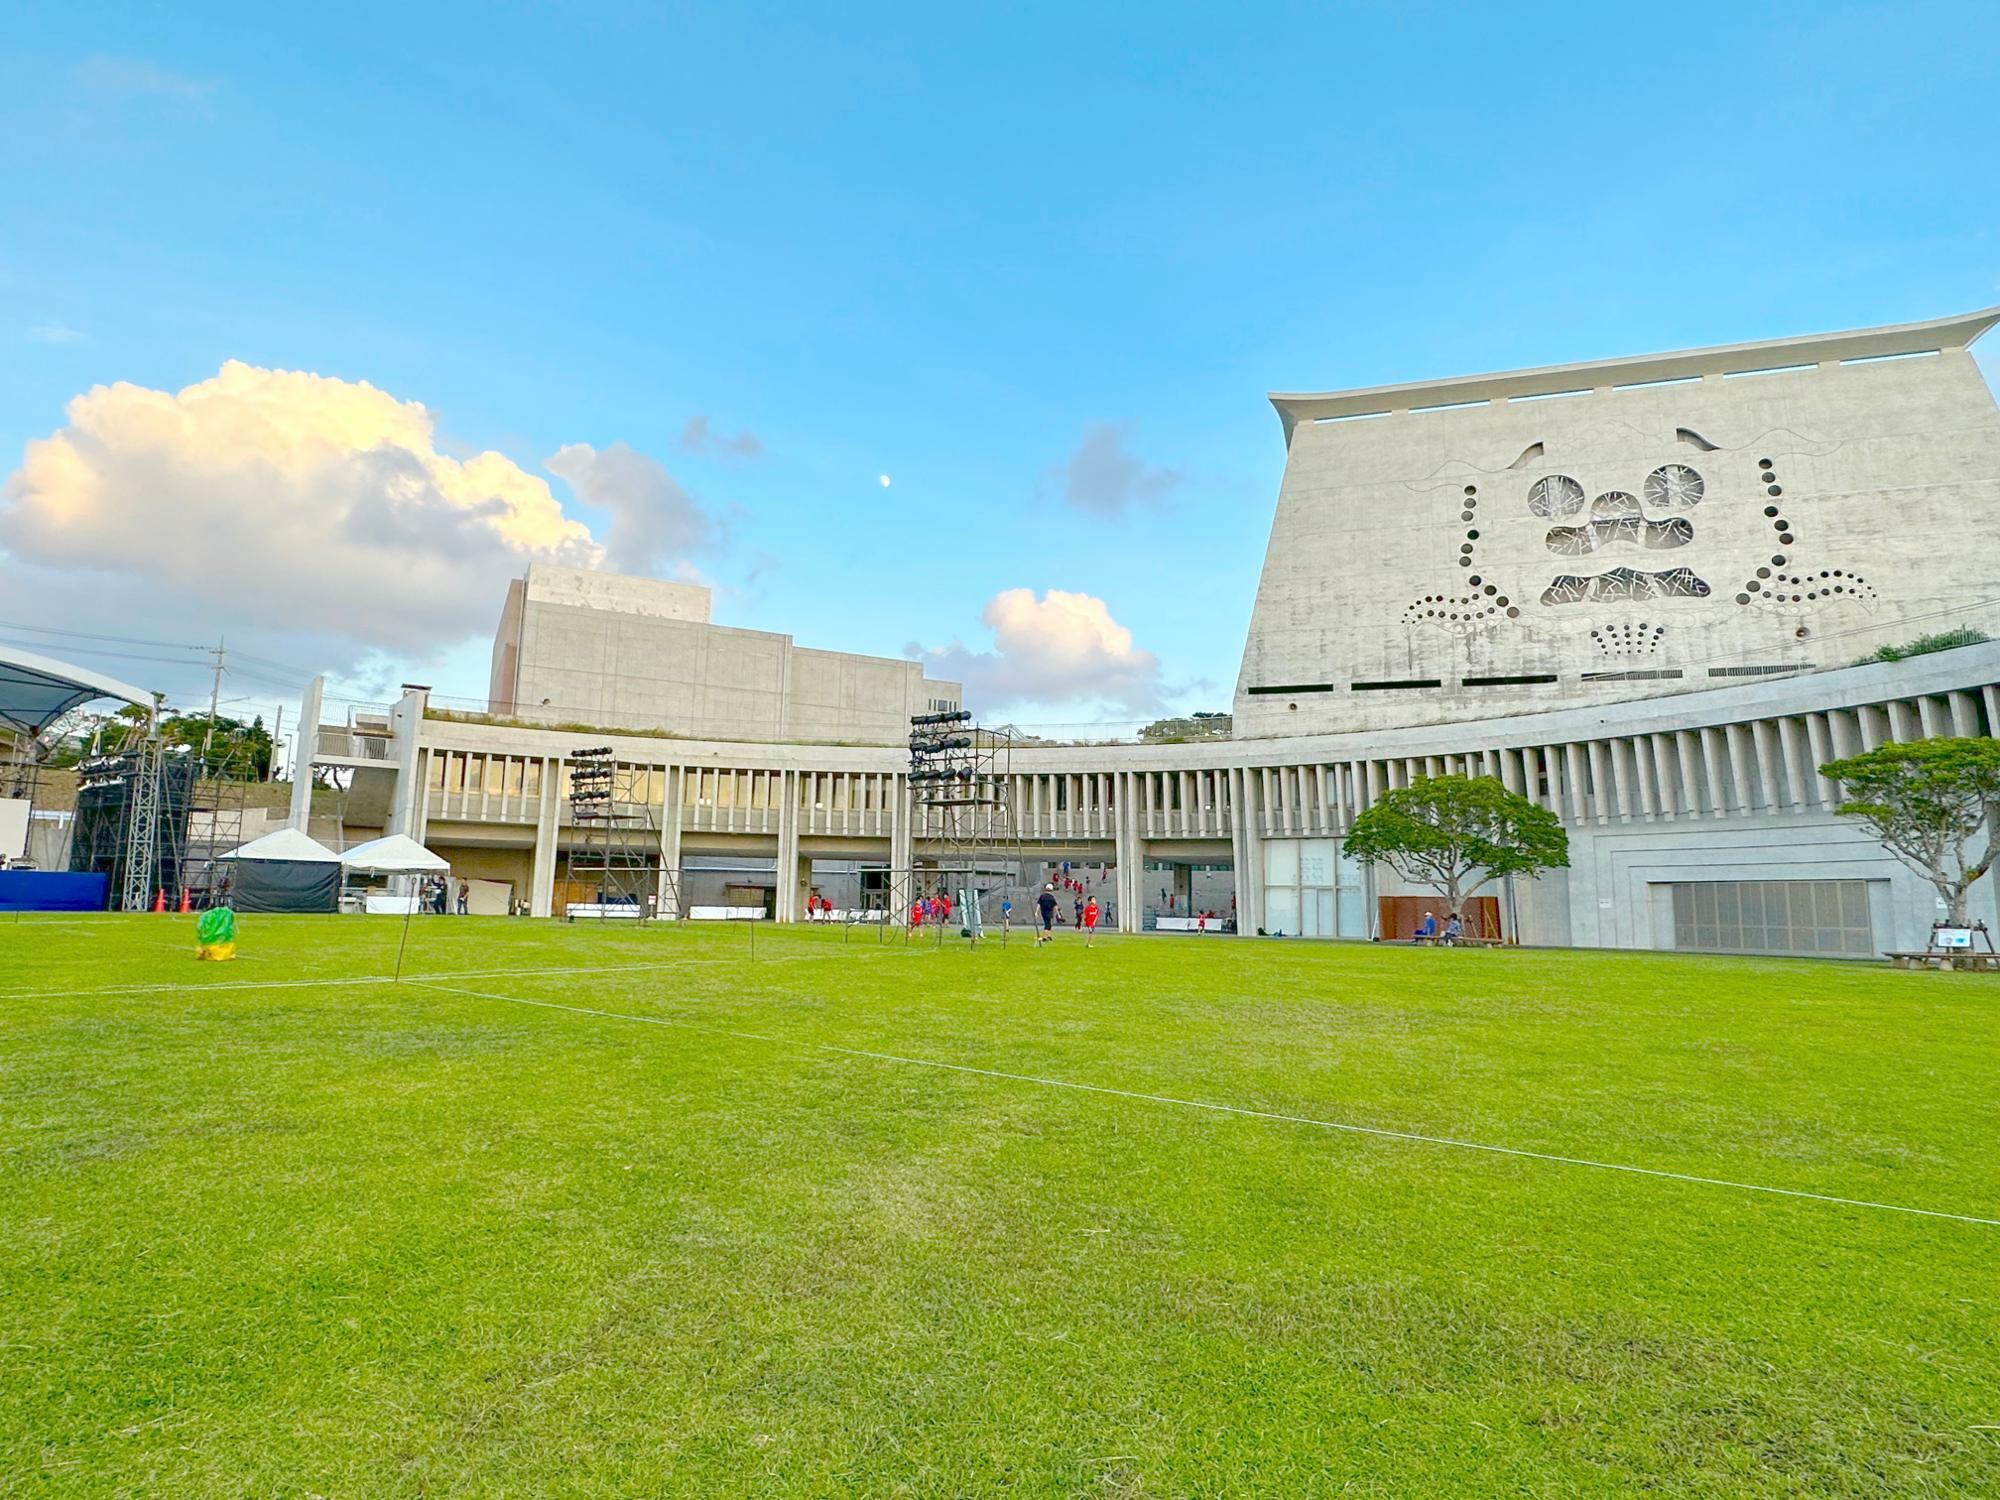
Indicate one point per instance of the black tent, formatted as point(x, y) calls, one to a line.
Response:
point(285, 872)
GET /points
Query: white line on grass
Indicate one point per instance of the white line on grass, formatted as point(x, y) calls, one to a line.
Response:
point(348, 979)
point(1380, 1132)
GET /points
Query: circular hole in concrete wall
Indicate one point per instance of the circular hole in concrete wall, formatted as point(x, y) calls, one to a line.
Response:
point(1770, 510)
point(1775, 490)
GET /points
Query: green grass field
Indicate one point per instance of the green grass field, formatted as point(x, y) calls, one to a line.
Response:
point(280, 1227)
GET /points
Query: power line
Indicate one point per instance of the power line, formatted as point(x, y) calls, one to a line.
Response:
point(120, 655)
point(83, 635)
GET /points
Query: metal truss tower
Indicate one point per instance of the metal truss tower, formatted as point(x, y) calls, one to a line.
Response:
point(617, 849)
point(961, 780)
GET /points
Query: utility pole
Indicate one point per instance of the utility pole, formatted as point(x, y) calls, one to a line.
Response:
point(214, 700)
point(277, 729)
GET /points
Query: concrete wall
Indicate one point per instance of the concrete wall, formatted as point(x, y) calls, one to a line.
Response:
point(1430, 546)
point(584, 648)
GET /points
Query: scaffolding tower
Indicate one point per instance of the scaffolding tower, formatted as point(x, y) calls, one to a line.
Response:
point(215, 826)
point(616, 854)
point(961, 777)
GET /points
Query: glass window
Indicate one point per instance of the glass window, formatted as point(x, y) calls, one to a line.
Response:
point(1281, 864)
point(1316, 862)
point(1281, 910)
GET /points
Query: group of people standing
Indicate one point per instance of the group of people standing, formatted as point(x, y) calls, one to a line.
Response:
point(933, 909)
point(436, 895)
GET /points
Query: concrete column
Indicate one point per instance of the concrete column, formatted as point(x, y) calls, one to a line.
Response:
point(406, 723)
point(902, 811)
point(1739, 765)
point(788, 847)
point(419, 823)
point(1686, 753)
point(1789, 735)
point(1645, 776)
point(1964, 715)
point(1128, 857)
point(542, 882)
point(1603, 783)
point(670, 843)
point(1819, 737)
point(1579, 796)
point(305, 740)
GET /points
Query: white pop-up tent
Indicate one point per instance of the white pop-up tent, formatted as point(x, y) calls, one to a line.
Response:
point(395, 854)
point(284, 871)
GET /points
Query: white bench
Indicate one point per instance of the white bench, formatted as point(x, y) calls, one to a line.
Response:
point(1211, 928)
point(725, 913)
point(595, 910)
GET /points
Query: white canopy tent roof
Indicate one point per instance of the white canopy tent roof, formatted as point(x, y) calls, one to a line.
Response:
point(395, 854)
point(288, 845)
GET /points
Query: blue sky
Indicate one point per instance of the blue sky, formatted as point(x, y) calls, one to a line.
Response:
point(956, 246)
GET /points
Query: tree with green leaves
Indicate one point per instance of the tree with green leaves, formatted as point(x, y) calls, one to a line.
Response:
point(1457, 833)
point(1927, 801)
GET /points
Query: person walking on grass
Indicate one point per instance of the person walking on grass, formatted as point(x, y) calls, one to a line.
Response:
point(1088, 918)
point(1046, 904)
point(1006, 913)
point(464, 899)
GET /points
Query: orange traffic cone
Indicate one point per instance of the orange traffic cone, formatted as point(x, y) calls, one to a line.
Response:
point(187, 900)
point(160, 900)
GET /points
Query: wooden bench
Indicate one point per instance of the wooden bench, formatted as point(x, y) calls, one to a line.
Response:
point(1946, 959)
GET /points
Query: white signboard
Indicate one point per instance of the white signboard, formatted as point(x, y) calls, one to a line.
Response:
point(1951, 937)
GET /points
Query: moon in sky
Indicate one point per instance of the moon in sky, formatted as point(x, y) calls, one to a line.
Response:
point(885, 480)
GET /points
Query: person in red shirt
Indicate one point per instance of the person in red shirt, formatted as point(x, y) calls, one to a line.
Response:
point(1089, 920)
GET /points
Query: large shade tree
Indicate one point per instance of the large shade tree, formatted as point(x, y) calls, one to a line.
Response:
point(1457, 833)
point(1927, 801)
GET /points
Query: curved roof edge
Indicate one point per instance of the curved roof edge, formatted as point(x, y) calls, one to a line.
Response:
point(48, 688)
point(1931, 337)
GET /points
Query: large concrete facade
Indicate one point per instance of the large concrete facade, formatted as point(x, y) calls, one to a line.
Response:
point(576, 647)
point(1596, 533)
point(1679, 743)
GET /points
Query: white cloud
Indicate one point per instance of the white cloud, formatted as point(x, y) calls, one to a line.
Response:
point(1104, 477)
point(57, 333)
point(1059, 648)
point(127, 78)
point(655, 523)
point(702, 440)
point(312, 510)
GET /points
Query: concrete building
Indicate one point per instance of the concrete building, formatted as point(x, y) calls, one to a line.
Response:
point(578, 647)
point(1629, 528)
point(1815, 498)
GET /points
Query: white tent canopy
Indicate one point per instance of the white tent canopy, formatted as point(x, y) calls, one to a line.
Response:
point(288, 845)
point(396, 854)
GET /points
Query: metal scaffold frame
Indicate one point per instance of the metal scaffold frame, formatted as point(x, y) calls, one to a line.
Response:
point(157, 821)
point(618, 846)
point(961, 783)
